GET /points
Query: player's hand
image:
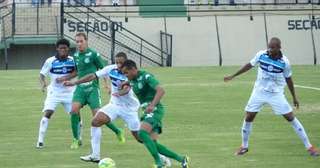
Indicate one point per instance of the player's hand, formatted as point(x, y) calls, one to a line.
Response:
point(150, 108)
point(296, 103)
point(68, 83)
point(61, 79)
point(228, 78)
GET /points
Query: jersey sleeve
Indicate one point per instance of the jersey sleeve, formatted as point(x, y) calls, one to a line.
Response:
point(255, 60)
point(287, 72)
point(46, 68)
point(151, 81)
point(105, 71)
point(99, 62)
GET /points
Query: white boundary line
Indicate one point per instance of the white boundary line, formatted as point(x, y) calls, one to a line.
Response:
point(307, 87)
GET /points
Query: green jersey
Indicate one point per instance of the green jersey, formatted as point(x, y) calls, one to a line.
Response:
point(144, 86)
point(88, 62)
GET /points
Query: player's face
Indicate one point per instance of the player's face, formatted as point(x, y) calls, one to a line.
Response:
point(274, 47)
point(120, 61)
point(63, 50)
point(81, 43)
point(130, 73)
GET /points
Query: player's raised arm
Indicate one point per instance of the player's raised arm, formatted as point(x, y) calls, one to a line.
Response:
point(244, 69)
point(67, 77)
point(87, 78)
point(125, 89)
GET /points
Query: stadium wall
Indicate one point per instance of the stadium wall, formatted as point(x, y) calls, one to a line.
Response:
point(27, 56)
point(195, 43)
point(203, 39)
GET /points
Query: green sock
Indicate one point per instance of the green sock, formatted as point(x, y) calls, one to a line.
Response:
point(167, 152)
point(150, 145)
point(75, 118)
point(113, 127)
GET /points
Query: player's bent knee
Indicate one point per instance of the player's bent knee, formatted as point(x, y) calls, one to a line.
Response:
point(136, 136)
point(250, 116)
point(289, 117)
point(48, 113)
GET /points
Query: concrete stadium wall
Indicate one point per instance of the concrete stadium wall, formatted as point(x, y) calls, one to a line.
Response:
point(27, 56)
point(195, 43)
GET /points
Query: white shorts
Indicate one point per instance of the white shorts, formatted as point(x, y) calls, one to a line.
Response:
point(130, 116)
point(52, 102)
point(277, 101)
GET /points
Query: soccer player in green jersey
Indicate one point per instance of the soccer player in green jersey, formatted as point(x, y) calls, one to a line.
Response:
point(149, 92)
point(87, 61)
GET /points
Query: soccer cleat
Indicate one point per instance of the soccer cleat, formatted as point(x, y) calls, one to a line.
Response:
point(40, 145)
point(241, 151)
point(166, 161)
point(75, 144)
point(90, 158)
point(186, 162)
point(121, 137)
point(313, 151)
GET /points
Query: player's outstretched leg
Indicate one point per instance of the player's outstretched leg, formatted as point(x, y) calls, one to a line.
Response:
point(299, 129)
point(144, 136)
point(43, 128)
point(184, 160)
point(119, 132)
point(99, 119)
point(245, 132)
point(75, 125)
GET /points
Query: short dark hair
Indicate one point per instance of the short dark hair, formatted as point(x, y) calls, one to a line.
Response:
point(122, 54)
point(276, 39)
point(82, 34)
point(63, 42)
point(129, 64)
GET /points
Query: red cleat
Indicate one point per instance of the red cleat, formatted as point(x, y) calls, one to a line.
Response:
point(241, 151)
point(313, 151)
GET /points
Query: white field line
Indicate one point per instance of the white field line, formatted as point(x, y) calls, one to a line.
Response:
point(307, 87)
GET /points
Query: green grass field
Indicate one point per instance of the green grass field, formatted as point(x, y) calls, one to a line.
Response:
point(203, 120)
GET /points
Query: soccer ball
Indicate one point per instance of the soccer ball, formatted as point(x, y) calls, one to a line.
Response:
point(107, 163)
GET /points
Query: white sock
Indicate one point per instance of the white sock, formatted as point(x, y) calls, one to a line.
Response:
point(95, 141)
point(298, 128)
point(245, 131)
point(43, 128)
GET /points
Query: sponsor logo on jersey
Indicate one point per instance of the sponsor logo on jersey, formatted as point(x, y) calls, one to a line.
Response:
point(270, 68)
point(89, 54)
point(87, 60)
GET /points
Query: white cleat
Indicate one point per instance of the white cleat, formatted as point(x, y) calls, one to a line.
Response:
point(166, 161)
point(90, 158)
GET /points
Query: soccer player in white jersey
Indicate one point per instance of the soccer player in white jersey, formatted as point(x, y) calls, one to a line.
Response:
point(274, 73)
point(123, 104)
point(55, 67)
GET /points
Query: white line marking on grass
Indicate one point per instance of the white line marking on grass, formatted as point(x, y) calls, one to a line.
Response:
point(307, 87)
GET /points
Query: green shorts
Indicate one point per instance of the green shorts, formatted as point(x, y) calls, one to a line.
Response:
point(154, 119)
point(87, 95)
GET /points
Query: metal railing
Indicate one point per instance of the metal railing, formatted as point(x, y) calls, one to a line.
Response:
point(115, 38)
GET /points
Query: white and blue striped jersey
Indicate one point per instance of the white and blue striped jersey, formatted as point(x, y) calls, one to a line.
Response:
point(271, 73)
point(117, 77)
point(55, 68)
